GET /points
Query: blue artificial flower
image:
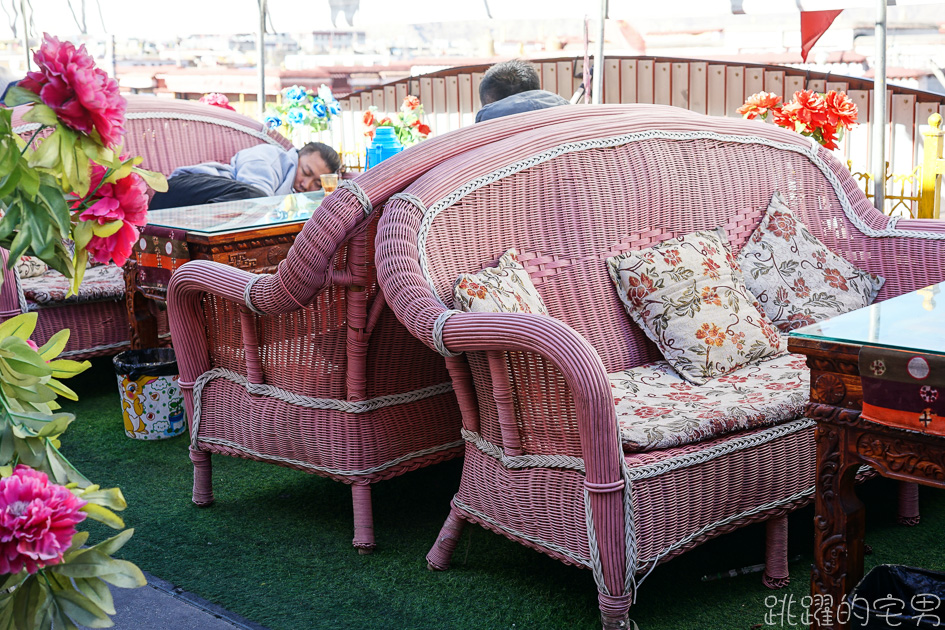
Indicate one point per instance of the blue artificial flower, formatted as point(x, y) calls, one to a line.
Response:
point(296, 116)
point(319, 109)
point(334, 107)
point(296, 93)
point(272, 121)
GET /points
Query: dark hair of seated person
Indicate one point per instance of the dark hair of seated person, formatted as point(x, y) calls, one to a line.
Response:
point(508, 78)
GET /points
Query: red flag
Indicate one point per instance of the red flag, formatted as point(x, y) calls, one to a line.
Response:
point(813, 25)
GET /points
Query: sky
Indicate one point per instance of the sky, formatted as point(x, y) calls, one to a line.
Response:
point(172, 18)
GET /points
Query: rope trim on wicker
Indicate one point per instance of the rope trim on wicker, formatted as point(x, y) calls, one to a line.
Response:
point(517, 534)
point(411, 199)
point(248, 291)
point(21, 296)
point(810, 151)
point(360, 406)
point(596, 569)
point(438, 325)
point(332, 471)
point(522, 461)
point(357, 191)
point(731, 446)
point(256, 133)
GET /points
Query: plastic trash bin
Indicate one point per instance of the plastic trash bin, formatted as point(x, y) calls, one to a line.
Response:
point(151, 402)
point(894, 596)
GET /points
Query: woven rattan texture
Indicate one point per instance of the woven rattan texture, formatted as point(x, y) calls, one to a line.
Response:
point(568, 196)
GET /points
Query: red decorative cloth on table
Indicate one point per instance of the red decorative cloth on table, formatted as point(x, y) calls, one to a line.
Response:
point(159, 252)
point(903, 389)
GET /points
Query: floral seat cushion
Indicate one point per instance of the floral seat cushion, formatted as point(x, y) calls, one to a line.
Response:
point(105, 282)
point(656, 408)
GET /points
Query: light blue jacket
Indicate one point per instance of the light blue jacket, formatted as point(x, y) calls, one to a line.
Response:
point(267, 167)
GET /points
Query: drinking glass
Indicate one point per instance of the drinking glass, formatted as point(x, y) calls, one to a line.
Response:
point(329, 182)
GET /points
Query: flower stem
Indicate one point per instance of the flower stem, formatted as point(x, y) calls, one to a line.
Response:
point(30, 141)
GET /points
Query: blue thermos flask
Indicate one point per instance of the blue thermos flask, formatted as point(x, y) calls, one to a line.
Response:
point(385, 144)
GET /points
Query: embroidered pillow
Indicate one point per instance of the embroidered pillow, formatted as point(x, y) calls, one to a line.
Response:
point(688, 296)
point(505, 288)
point(797, 280)
point(30, 267)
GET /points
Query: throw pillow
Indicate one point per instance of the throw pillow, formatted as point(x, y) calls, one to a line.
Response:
point(797, 280)
point(30, 267)
point(505, 288)
point(688, 296)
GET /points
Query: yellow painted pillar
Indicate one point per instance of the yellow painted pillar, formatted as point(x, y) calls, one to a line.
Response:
point(933, 167)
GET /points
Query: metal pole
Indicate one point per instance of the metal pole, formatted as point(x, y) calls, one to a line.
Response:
point(261, 54)
point(598, 77)
point(879, 111)
point(26, 33)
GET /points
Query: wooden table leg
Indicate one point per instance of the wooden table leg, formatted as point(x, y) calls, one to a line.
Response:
point(839, 527)
point(141, 320)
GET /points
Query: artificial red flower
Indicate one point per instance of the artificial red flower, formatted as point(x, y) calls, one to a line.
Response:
point(37, 521)
point(125, 200)
point(83, 97)
point(411, 102)
point(424, 130)
point(840, 109)
point(216, 99)
point(368, 118)
point(385, 122)
point(759, 104)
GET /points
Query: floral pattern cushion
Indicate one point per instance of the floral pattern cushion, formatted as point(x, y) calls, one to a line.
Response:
point(505, 288)
point(30, 267)
point(688, 296)
point(657, 409)
point(797, 280)
point(105, 282)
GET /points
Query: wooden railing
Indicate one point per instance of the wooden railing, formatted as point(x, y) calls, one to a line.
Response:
point(451, 98)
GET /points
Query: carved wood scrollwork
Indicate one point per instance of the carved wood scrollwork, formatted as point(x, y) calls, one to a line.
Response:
point(831, 545)
point(828, 389)
point(903, 458)
point(833, 365)
point(829, 413)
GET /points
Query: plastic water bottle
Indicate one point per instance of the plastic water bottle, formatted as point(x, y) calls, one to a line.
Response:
point(385, 144)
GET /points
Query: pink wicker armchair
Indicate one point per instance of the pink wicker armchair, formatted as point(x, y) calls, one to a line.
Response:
point(308, 368)
point(544, 464)
point(167, 134)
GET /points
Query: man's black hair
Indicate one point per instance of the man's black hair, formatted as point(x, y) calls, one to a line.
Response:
point(329, 155)
point(508, 78)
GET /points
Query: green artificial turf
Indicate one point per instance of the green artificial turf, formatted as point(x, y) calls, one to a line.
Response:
point(276, 546)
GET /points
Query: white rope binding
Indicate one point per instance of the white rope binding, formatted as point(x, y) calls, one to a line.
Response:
point(810, 151)
point(357, 191)
point(360, 406)
point(262, 135)
point(247, 299)
point(438, 333)
point(514, 462)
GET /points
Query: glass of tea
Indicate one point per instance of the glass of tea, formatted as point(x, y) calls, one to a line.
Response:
point(329, 182)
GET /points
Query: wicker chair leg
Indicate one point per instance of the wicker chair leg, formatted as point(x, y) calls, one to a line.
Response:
point(363, 518)
point(908, 503)
point(615, 611)
point(776, 562)
point(203, 478)
point(442, 552)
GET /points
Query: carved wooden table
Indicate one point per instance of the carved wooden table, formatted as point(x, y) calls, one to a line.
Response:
point(845, 440)
point(252, 234)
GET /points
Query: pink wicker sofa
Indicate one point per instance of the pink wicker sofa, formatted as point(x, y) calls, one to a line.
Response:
point(167, 134)
point(308, 368)
point(545, 463)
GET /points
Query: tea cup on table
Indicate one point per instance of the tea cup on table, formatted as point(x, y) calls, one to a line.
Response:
point(329, 182)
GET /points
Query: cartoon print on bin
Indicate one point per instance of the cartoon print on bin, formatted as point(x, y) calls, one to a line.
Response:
point(152, 407)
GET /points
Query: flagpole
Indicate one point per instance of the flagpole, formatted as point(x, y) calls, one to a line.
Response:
point(879, 111)
point(261, 55)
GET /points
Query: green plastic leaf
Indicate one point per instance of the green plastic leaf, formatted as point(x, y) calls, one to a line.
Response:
point(82, 234)
point(157, 181)
point(58, 209)
point(81, 609)
point(129, 576)
point(38, 394)
point(25, 366)
point(29, 180)
point(55, 426)
point(107, 229)
point(28, 599)
point(20, 243)
point(78, 540)
point(47, 155)
point(97, 591)
point(67, 368)
point(111, 498)
point(61, 390)
point(6, 444)
point(56, 344)
point(21, 326)
point(115, 543)
point(86, 563)
point(103, 515)
point(42, 114)
point(17, 95)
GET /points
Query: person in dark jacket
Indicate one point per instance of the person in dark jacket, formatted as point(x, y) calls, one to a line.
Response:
point(513, 87)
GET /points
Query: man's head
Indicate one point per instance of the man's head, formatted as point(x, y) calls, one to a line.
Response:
point(508, 78)
point(315, 159)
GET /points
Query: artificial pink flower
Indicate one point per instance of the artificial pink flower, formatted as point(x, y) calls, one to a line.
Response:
point(37, 521)
point(32, 344)
point(125, 200)
point(84, 97)
point(759, 104)
point(217, 99)
point(411, 102)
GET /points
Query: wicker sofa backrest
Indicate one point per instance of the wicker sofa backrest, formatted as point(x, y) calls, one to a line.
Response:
point(170, 133)
point(571, 195)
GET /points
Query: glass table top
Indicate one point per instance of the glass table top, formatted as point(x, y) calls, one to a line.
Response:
point(230, 216)
point(914, 321)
